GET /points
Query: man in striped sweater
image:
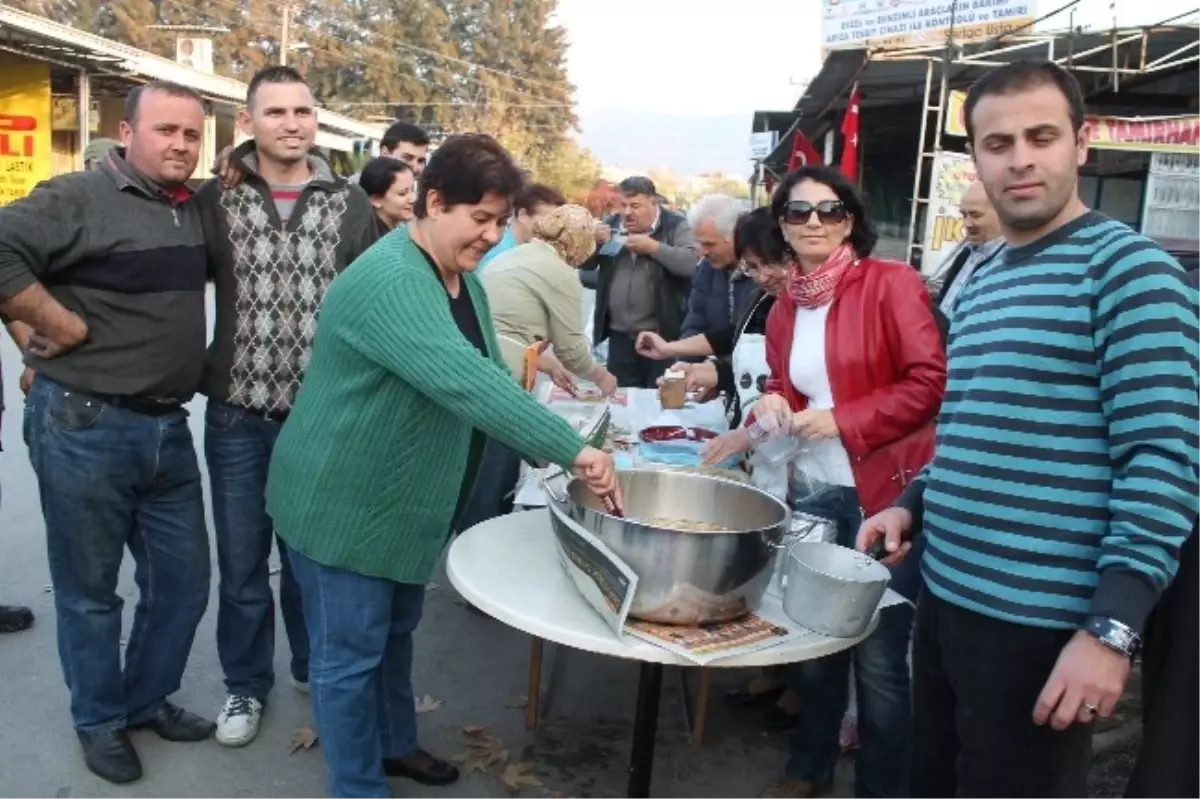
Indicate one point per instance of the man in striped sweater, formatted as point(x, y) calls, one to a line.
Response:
point(1064, 480)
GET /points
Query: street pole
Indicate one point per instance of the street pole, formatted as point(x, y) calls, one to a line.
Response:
point(283, 36)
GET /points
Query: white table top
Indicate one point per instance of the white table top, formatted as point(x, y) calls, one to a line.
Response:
point(508, 567)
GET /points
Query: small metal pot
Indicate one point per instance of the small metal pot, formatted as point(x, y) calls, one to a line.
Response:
point(831, 589)
point(684, 577)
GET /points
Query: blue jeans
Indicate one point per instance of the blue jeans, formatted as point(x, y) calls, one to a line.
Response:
point(110, 478)
point(882, 682)
point(361, 631)
point(238, 446)
point(492, 495)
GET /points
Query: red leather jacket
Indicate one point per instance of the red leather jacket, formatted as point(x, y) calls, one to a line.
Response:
point(887, 371)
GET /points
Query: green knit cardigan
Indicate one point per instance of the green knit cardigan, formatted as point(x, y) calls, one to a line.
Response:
point(376, 455)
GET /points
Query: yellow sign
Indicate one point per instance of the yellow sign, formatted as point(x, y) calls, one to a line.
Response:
point(24, 127)
point(64, 114)
point(1179, 134)
point(952, 173)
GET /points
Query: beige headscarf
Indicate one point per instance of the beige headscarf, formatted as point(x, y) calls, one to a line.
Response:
point(570, 230)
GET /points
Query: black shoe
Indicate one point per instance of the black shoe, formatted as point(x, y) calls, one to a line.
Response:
point(741, 696)
point(14, 618)
point(433, 772)
point(110, 755)
point(776, 719)
point(176, 724)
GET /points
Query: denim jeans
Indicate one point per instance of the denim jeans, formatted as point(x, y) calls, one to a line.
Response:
point(110, 478)
point(360, 676)
point(492, 496)
point(882, 684)
point(238, 446)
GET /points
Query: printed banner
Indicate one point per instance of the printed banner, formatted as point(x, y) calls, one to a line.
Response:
point(24, 127)
point(952, 173)
point(893, 24)
point(1177, 134)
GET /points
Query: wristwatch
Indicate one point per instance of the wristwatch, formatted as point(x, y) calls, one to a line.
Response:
point(1113, 634)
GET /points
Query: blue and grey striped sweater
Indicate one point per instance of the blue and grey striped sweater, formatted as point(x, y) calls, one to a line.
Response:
point(1064, 480)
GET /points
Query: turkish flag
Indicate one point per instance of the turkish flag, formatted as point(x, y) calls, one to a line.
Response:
point(850, 135)
point(803, 153)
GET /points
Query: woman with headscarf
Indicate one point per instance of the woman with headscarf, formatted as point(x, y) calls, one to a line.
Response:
point(858, 372)
point(536, 296)
point(390, 183)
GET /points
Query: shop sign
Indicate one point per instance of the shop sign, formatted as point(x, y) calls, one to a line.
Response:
point(896, 24)
point(24, 127)
point(952, 174)
point(1166, 134)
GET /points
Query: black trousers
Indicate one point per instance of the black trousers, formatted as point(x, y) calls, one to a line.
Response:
point(630, 369)
point(975, 682)
point(1166, 765)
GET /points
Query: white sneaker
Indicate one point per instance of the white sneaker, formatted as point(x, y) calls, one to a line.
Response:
point(238, 723)
point(300, 685)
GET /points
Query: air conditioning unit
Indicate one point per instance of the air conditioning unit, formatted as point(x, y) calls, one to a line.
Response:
point(195, 52)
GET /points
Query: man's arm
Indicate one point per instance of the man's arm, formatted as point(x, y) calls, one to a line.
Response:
point(696, 320)
point(1146, 337)
point(679, 256)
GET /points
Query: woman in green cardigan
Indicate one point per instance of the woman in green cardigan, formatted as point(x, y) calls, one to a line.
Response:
point(382, 448)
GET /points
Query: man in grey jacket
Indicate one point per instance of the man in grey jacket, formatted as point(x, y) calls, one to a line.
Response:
point(645, 261)
point(104, 270)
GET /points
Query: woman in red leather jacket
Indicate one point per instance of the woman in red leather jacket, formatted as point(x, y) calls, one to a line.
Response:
point(857, 364)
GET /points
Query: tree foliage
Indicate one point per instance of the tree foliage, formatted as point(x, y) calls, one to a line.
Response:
point(496, 66)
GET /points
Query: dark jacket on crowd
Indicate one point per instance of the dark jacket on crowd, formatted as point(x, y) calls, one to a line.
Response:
point(717, 299)
point(128, 257)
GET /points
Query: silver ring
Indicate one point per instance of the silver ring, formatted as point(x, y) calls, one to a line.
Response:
point(1091, 708)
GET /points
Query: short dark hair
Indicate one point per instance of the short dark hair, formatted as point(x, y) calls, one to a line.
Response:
point(535, 194)
point(862, 234)
point(404, 131)
point(464, 168)
point(1021, 76)
point(134, 99)
point(634, 186)
point(378, 174)
point(757, 232)
point(274, 74)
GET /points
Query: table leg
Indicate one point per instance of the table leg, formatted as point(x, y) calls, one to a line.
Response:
point(700, 715)
point(645, 730)
point(534, 694)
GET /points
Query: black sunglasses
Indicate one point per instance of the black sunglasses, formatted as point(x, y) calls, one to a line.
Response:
point(798, 212)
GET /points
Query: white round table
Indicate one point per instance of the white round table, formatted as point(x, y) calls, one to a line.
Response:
point(508, 567)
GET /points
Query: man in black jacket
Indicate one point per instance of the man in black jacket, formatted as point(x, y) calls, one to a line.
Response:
point(645, 261)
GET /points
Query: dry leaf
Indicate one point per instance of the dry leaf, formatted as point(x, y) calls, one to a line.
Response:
point(519, 775)
point(427, 704)
point(482, 750)
point(305, 738)
point(474, 730)
point(519, 703)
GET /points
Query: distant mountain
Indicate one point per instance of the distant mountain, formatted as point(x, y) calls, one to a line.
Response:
point(686, 145)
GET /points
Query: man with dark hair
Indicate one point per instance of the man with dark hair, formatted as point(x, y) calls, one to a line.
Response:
point(104, 270)
point(1064, 480)
point(408, 143)
point(275, 242)
point(531, 204)
point(645, 262)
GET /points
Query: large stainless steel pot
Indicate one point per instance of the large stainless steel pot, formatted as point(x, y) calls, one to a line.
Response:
point(831, 589)
point(685, 577)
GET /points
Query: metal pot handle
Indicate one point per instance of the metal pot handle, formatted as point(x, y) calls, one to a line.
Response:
point(546, 485)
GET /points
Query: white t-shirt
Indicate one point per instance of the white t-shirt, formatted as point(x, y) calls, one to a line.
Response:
point(827, 460)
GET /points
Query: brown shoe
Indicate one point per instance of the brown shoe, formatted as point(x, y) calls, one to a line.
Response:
point(796, 789)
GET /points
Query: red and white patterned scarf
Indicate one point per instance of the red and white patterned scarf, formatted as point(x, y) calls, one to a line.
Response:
point(816, 288)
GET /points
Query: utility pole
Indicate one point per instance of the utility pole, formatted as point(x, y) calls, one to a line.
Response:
point(283, 36)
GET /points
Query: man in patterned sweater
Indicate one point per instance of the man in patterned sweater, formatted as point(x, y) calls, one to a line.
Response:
point(275, 242)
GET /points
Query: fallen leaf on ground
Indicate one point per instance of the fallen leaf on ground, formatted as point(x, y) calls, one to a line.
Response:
point(427, 704)
point(518, 703)
point(305, 738)
point(519, 775)
point(482, 750)
point(474, 730)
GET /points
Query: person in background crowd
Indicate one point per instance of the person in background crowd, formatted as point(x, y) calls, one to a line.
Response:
point(271, 277)
point(858, 368)
point(95, 152)
point(110, 301)
point(13, 618)
point(534, 202)
point(982, 243)
point(645, 284)
point(1064, 481)
point(719, 287)
point(381, 449)
point(407, 143)
point(391, 186)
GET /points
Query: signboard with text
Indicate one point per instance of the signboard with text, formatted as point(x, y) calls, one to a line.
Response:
point(891, 24)
point(24, 127)
point(952, 173)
